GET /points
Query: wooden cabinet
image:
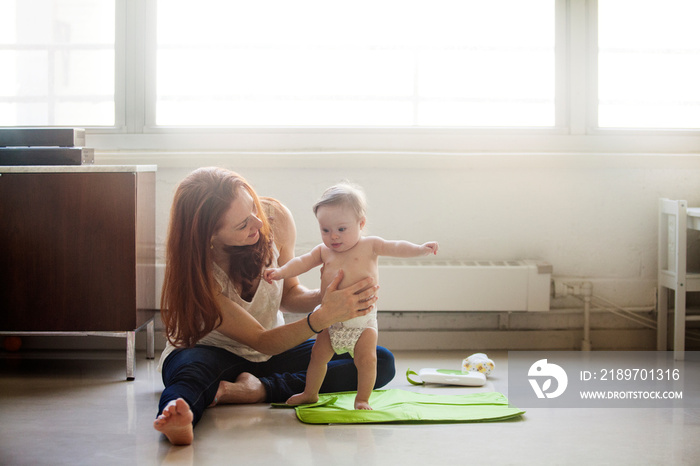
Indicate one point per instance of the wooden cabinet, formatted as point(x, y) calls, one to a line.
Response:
point(78, 251)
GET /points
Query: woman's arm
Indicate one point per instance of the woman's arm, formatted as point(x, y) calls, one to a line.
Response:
point(337, 306)
point(295, 297)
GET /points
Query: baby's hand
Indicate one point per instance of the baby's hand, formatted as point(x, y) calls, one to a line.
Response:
point(430, 248)
point(272, 274)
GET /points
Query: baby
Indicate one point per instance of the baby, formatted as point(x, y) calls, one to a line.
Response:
point(341, 217)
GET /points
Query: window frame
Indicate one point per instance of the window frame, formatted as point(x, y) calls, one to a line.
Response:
point(575, 129)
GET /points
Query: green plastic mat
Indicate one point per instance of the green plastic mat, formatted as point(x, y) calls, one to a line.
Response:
point(400, 406)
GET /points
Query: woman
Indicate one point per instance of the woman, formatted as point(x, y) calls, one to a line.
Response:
point(227, 341)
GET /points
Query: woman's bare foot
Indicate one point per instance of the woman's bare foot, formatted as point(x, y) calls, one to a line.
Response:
point(359, 404)
point(245, 390)
point(175, 422)
point(302, 399)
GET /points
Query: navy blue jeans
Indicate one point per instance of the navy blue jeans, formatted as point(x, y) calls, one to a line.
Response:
point(194, 374)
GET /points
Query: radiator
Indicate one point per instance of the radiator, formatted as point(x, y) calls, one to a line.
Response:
point(419, 285)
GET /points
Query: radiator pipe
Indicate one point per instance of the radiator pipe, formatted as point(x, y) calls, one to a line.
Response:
point(586, 293)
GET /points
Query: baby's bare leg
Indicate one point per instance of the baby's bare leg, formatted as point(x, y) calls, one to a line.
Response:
point(321, 353)
point(366, 363)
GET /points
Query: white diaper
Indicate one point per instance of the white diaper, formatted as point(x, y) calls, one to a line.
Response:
point(344, 336)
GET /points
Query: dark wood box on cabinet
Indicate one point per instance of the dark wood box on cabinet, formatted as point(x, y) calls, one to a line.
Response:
point(78, 250)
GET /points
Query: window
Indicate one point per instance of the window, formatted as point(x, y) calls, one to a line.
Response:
point(58, 63)
point(649, 64)
point(385, 75)
point(360, 63)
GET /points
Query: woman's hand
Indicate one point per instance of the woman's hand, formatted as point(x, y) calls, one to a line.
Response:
point(341, 305)
point(337, 306)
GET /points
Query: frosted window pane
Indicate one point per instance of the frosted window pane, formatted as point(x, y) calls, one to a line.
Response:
point(649, 64)
point(360, 63)
point(58, 62)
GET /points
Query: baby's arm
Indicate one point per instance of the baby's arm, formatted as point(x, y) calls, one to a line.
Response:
point(402, 248)
point(296, 266)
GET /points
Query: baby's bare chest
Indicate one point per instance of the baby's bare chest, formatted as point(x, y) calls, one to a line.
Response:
point(356, 265)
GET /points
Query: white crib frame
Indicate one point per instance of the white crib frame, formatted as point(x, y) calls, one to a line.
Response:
point(675, 218)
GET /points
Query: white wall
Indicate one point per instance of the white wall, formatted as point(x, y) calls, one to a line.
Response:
point(592, 216)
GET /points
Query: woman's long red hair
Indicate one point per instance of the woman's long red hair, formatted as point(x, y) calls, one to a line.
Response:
point(188, 300)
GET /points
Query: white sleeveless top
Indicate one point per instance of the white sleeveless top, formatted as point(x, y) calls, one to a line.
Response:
point(265, 307)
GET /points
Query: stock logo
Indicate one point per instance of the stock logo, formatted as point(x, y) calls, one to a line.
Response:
point(542, 370)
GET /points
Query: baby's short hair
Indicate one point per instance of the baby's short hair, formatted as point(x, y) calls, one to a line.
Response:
point(344, 194)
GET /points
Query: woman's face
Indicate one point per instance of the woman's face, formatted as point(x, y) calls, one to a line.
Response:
point(240, 225)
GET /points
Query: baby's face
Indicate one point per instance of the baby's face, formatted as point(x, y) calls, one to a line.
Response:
point(340, 227)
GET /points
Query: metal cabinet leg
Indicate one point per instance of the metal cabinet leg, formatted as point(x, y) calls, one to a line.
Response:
point(130, 354)
point(150, 339)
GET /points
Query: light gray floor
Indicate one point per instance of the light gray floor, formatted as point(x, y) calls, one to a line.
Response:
point(76, 408)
